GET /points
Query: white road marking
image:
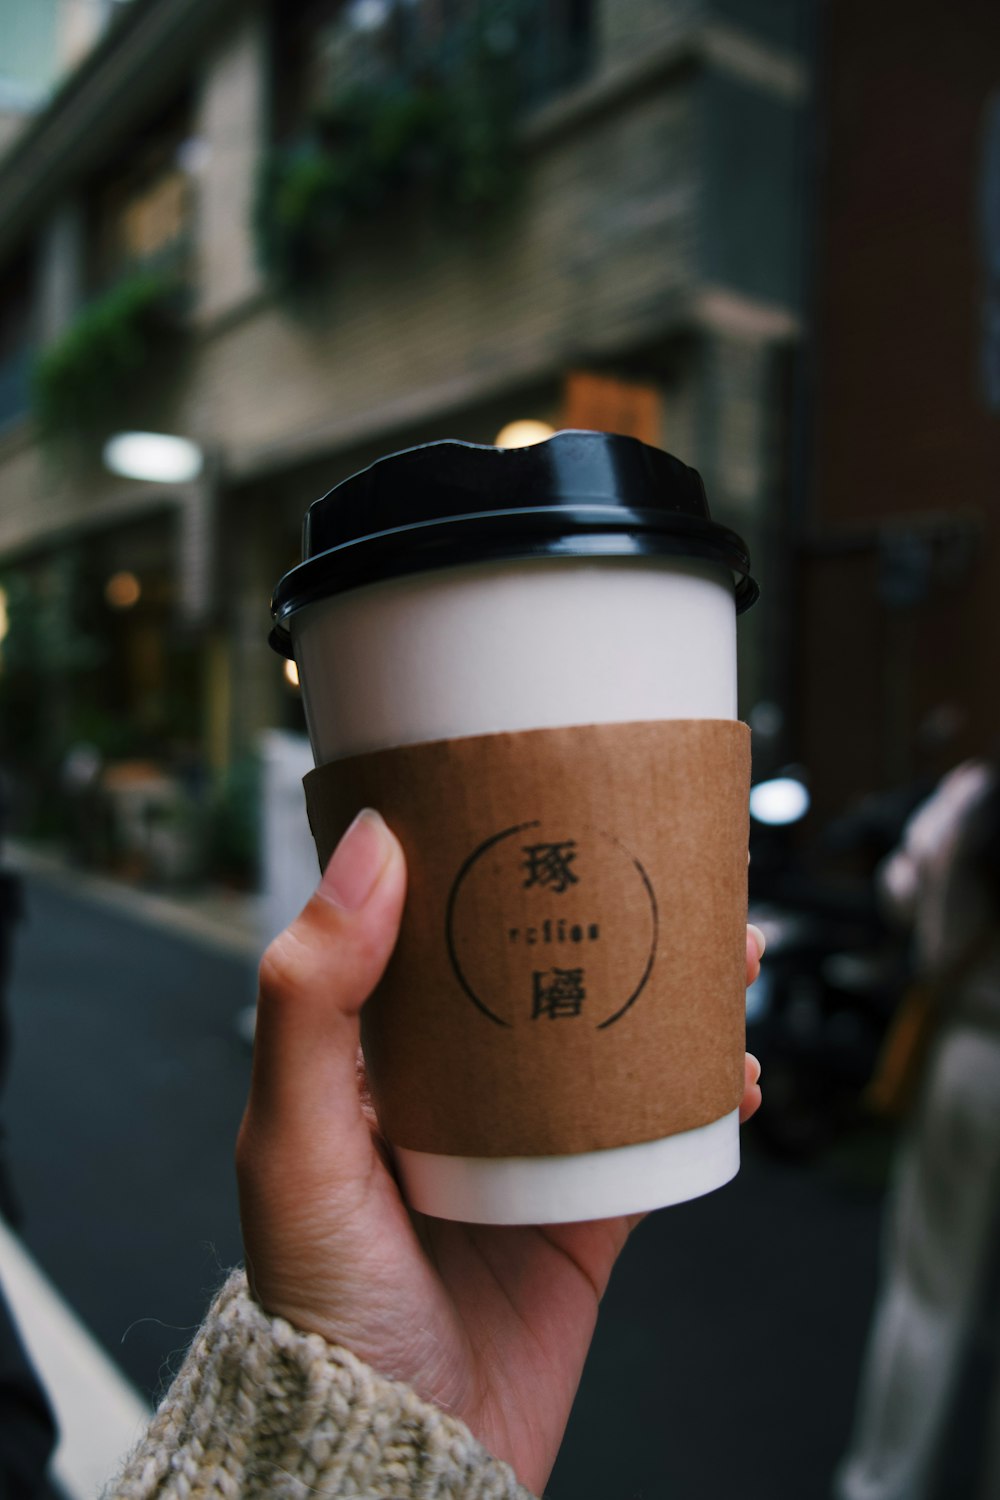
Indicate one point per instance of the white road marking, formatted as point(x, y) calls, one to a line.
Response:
point(100, 1415)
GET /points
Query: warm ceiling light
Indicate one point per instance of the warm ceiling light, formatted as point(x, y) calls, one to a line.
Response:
point(122, 590)
point(291, 674)
point(155, 456)
point(523, 433)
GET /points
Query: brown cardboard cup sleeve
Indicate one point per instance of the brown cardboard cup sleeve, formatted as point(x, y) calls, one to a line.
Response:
point(570, 974)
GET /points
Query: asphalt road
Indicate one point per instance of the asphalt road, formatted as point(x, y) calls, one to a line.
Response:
point(729, 1342)
point(126, 1089)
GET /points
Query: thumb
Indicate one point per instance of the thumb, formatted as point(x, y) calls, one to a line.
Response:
point(314, 979)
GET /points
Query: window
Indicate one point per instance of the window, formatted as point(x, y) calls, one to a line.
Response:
point(140, 211)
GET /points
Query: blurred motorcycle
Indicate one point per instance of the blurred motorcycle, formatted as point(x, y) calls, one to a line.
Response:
point(829, 982)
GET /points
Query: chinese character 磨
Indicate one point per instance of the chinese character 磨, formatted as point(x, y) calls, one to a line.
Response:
point(549, 865)
point(557, 992)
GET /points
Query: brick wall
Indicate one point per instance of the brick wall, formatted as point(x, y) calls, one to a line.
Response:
point(598, 261)
point(231, 124)
point(627, 30)
point(591, 254)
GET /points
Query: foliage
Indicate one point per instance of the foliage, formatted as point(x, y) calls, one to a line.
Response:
point(443, 132)
point(80, 380)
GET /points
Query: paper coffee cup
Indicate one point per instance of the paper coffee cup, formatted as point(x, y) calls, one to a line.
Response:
point(526, 659)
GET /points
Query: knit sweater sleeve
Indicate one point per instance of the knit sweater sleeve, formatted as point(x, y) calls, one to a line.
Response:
point(260, 1409)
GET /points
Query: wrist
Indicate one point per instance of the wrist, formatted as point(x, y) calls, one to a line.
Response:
point(262, 1403)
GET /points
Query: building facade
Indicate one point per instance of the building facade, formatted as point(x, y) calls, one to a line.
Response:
point(898, 651)
point(639, 268)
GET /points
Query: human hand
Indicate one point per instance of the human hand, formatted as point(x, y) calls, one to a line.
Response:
point(492, 1324)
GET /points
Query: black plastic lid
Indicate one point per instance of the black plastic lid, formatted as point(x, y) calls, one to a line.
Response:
point(578, 494)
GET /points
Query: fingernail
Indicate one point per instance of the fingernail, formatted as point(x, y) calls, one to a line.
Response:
point(357, 861)
point(759, 939)
point(756, 1064)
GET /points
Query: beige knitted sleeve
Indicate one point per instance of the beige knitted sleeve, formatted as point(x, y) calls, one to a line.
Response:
point(260, 1409)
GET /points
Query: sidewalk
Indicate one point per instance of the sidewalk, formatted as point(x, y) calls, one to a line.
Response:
point(222, 919)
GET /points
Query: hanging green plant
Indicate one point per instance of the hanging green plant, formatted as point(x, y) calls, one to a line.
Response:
point(80, 380)
point(445, 135)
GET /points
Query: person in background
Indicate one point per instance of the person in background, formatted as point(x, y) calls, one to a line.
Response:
point(944, 881)
point(368, 1351)
point(11, 913)
point(27, 1426)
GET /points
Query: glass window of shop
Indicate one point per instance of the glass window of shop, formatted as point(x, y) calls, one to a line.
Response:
point(18, 336)
point(97, 620)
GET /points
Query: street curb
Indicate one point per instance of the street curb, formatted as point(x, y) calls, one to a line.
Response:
point(234, 929)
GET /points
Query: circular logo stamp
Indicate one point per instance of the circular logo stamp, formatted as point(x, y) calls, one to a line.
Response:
point(552, 924)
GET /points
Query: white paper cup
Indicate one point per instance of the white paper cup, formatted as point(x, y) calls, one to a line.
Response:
point(523, 643)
